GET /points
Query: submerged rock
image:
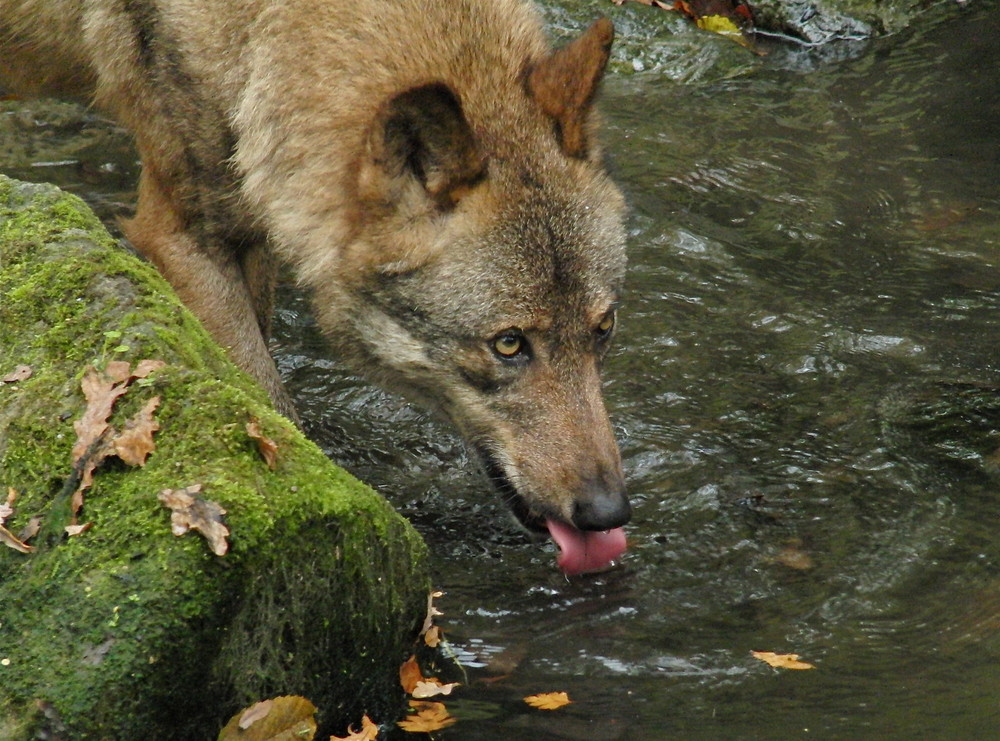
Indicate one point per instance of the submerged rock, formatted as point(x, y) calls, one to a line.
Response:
point(128, 631)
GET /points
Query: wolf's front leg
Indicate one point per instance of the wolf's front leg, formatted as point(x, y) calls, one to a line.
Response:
point(211, 282)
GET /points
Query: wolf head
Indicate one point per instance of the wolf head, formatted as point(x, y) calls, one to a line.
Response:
point(483, 281)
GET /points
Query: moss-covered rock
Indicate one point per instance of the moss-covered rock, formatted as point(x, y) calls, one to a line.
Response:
point(128, 631)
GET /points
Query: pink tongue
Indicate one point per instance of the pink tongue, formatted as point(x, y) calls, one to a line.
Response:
point(584, 551)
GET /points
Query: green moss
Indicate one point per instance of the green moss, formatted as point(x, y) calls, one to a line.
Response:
point(128, 631)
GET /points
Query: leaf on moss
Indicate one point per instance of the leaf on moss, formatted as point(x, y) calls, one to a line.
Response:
point(135, 442)
point(368, 732)
point(288, 718)
point(74, 530)
point(20, 373)
point(189, 512)
point(781, 661)
point(427, 717)
point(548, 700)
point(267, 447)
point(12, 541)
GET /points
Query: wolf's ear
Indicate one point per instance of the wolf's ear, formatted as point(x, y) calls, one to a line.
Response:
point(422, 134)
point(564, 84)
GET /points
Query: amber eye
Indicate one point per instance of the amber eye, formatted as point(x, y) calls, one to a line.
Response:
point(606, 325)
point(509, 344)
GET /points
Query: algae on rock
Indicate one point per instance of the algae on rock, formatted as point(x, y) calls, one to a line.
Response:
point(128, 631)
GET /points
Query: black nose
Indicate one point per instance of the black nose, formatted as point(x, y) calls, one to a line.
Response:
point(602, 508)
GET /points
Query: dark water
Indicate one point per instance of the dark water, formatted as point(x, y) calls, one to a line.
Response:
point(807, 393)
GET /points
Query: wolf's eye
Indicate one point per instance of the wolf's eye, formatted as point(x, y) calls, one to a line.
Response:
point(509, 344)
point(605, 326)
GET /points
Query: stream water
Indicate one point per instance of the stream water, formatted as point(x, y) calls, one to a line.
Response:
point(806, 387)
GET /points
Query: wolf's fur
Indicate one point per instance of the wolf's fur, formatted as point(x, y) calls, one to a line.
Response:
point(428, 169)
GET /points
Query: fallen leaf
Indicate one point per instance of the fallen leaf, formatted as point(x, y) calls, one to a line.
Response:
point(548, 700)
point(31, 529)
point(409, 674)
point(368, 732)
point(20, 373)
point(432, 688)
point(432, 611)
point(101, 391)
point(432, 637)
point(781, 661)
point(135, 442)
point(254, 713)
point(288, 718)
point(12, 541)
point(427, 717)
point(267, 447)
point(189, 512)
point(74, 529)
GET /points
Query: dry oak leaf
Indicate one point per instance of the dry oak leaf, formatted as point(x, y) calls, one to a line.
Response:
point(189, 512)
point(432, 688)
point(426, 717)
point(267, 447)
point(135, 442)
point(20, 373)
point(288, 718)
point(368, 732)
point(781, 661)
point(548, 700)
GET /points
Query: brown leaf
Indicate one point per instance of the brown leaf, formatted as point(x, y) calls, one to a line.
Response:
point(135, 442)
point(101, 391)
point(267, 447)
point(427, 717)
point(20, 373)
point(781, 661)
point(368, 732)
point(74, 529)
point(189, 512)
point(31, 529)
point(288, 718)
point(409, 674)
point(12, 541)
point(548, 700)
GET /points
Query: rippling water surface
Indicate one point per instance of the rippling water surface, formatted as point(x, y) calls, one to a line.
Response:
point(807, 392)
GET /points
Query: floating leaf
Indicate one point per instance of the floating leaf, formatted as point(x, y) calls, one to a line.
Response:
point(548, 700)
point(427, 717)
point(368, 732)
point(781, 661)
point(288, 718)
point(432, 688)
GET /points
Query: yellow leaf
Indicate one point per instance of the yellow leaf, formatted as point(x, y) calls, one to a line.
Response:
point(548, 700)
point(409, 674)
point(781, 661)
point(433, 637)
point(368, 732)
point(719, 24)
point(426, 717)
point(288, 718)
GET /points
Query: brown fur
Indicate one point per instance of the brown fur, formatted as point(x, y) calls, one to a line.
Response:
point(431, 173)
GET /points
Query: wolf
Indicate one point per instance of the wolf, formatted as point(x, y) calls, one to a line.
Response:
point(431, 173)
